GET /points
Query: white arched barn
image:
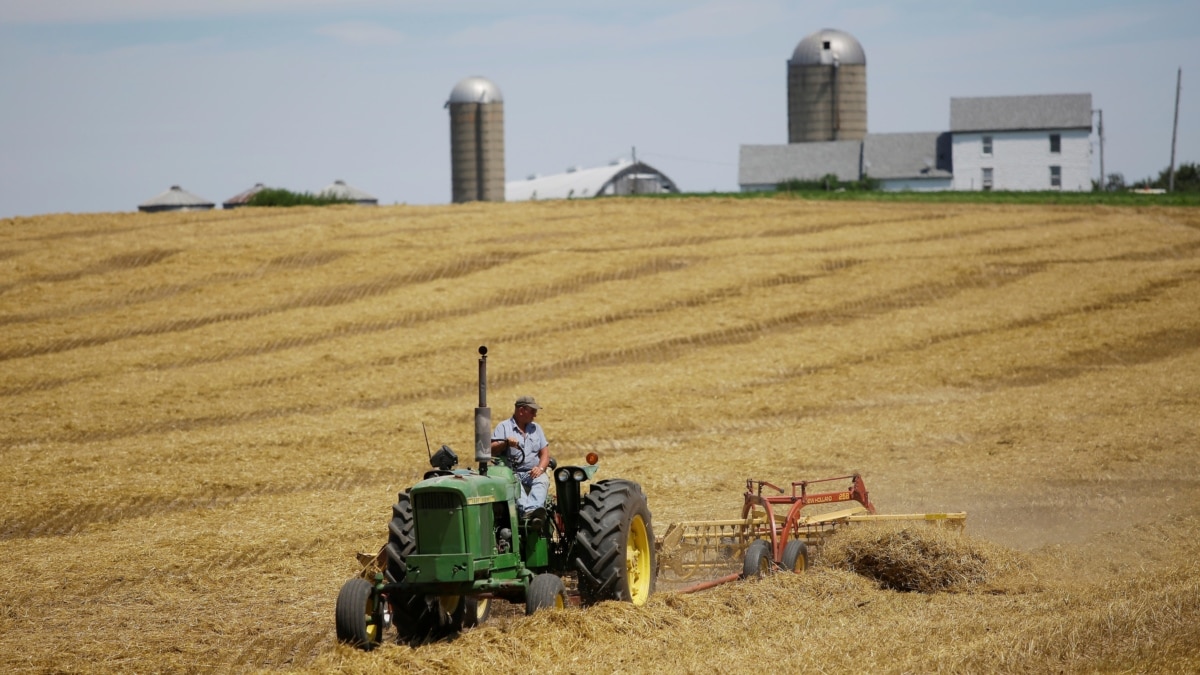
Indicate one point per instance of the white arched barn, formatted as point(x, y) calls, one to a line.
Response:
point(621, 177)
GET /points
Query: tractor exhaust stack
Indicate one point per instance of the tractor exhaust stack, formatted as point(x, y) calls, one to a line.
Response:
point(483, 418)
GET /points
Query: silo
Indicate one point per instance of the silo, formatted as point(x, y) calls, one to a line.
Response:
point(476, 141)
point(827, 89)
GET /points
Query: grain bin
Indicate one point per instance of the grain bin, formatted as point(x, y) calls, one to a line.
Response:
point(476, 141)
point(175, 199)
point(827, 88)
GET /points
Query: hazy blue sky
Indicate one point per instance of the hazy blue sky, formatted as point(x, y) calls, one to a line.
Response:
point(105, 104)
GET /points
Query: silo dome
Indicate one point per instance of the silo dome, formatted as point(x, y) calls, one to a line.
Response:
point(820, 48)
point(475, 90)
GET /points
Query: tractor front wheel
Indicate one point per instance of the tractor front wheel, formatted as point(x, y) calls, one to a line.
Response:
point(795, 556)
point(615, 544)
point(415, 617)
point(359, 615)
point(544, 592)
point(758, 560)
point(475, 611)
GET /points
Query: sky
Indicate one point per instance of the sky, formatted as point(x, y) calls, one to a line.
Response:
point(104, 105)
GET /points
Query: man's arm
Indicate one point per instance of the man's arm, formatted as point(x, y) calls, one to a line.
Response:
point(543, 462)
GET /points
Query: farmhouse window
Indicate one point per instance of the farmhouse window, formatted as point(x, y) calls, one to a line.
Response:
point(987, 146)
point(1056, 176)
point(1055, 143)
point(987, 178)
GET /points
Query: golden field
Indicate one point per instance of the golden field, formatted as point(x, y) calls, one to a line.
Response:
point(207, 414)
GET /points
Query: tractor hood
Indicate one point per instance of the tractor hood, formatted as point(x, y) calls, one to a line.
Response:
point(497, 486)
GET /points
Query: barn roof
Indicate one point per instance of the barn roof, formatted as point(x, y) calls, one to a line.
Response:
point(882, 156)
point(1019, 113)
point(907, 155)
point(578, 183)
point(774, 164)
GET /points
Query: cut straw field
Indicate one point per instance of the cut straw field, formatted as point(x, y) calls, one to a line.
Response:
point(206, 415)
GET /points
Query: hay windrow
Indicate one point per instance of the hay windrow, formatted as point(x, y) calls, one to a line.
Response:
point(920, 558)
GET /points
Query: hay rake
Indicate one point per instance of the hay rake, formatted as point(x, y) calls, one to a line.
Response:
point(772, 531)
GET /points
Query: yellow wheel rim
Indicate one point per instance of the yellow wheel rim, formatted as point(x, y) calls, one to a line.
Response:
point(449, 604)
point(637, 561)
point(372, 627)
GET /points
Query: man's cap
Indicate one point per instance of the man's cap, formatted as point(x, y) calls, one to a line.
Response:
point(528, 402)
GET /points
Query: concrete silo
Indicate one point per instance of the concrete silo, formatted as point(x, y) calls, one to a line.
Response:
point(476, 141)
point(827, 89)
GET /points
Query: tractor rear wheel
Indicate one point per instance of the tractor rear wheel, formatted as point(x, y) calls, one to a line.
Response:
point(401, 542)
point(758, 560)
point(359, 622)
point(795, 556)
point(615, 544)
point(544, 592)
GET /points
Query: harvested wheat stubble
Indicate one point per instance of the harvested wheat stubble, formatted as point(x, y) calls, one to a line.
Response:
point(207, 414)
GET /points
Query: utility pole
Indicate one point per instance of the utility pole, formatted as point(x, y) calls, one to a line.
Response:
point(1100, 131)
point(1175, 129)
point(633, 155)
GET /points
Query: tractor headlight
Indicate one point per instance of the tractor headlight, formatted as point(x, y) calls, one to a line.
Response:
point(564, 475)
point(578, 475)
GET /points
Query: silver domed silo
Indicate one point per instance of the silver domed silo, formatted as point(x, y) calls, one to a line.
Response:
point(827, 88)
point(476, 141)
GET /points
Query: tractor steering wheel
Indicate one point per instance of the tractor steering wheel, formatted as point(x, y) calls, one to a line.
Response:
point(508, 458)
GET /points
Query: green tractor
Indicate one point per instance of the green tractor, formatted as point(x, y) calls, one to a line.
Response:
point(455, 543)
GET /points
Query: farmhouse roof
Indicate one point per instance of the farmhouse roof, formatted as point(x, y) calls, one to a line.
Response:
point(175, 199)
point(341, 190)
point(1018, 113)
point(579, 183)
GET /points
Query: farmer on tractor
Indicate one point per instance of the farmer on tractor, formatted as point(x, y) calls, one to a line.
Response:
point(524, 443)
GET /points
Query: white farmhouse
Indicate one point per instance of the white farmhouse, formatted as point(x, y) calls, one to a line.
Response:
point(1022, 142)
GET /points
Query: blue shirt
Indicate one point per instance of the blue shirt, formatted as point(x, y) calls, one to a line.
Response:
point(532, 442)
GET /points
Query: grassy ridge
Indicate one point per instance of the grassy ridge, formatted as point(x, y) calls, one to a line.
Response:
point(1049, 198)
